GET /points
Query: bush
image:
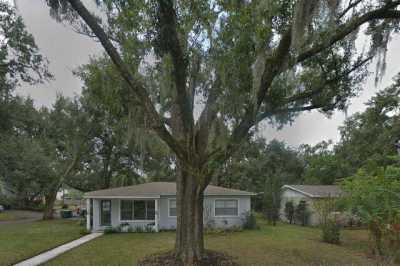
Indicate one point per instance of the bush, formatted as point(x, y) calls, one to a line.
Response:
point(139, 229)
point(111, 230)
point(7, 201)
point(289, 211)
point(301, 213)
point(84, 231)
point(250, 221)
point(331, 232)
point(64, 206)
point(82, 222)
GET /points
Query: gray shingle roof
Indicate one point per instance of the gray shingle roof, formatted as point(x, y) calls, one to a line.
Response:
point(317, 191)
point(157, 189)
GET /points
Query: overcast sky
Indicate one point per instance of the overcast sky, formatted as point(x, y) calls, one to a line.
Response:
point(66, 50)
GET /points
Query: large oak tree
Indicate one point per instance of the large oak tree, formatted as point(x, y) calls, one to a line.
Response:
point(193, 66)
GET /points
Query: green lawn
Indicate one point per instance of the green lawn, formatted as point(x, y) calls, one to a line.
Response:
point(280, 245)
point(7, 216)
point(23, 240)
point(15, 215)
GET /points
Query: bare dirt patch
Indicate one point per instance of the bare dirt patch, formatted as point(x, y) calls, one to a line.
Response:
point(211, 258)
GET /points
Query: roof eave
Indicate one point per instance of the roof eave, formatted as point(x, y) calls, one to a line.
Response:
point(121, 197)
point(300, 191)
point(159, 196)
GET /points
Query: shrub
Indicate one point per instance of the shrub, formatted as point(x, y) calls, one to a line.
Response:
point(82, 221)
point(139, 229)
point(289, 211)
point(7, 201)
point(64, 206)
point(149, 229)
point(331, 232)
point(84, 231)
point(111, 230)
point(250, 221)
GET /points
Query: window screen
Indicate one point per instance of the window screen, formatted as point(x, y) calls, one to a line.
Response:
point(226, 207)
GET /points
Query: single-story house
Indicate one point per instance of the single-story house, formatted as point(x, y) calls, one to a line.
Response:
point(310, 194)
point(154, 205)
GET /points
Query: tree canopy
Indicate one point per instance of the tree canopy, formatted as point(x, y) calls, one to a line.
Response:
point(191, 66)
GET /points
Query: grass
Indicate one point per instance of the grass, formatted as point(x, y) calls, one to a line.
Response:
point(280, 245)
point(24, 240)
point(7, 216)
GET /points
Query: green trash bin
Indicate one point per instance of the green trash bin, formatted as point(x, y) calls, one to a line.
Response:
point(66, 214)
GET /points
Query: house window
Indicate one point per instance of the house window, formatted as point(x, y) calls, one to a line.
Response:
point(172, 207)
point(226, 208)
point(126, 210)
point(137, 210)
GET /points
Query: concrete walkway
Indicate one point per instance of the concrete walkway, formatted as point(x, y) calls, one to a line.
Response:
point(48, 255)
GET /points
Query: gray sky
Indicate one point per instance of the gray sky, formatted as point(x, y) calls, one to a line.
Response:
point(66, 50)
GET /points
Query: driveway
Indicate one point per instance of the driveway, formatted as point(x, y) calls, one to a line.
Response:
point(19, 216)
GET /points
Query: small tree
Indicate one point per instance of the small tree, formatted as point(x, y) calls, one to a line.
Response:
point(301, 213)
point(289, 211)
point(272, 199)
point(326, 209)
point(375, 199)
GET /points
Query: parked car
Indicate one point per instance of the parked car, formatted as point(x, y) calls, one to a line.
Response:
point(2, 208)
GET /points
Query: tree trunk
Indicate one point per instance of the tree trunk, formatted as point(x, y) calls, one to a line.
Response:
point(189, 245)
point(50, 199)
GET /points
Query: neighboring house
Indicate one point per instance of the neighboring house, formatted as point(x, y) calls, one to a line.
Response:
point(154, 205)
point(309, 193)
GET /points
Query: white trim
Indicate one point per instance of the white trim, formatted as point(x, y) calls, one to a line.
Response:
point(133, 212)
point(169, 215)
point(137, 221)
point(88, 215)
point(121, 197)
point(156, 214)
point(300, 191)
point(226, 216)
point(166, 195)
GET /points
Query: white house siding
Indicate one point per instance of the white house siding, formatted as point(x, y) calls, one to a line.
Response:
point(244, 206)
point(96, 215)
point(167, 223)
point(296, 197)
point(115, 216)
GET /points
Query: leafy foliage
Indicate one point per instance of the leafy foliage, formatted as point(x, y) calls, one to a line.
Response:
point(327, 212)
point(20, 59)
point(250, 221)
point(301, 213)
point(289, 211)
point(375, 197)
point(331, 232)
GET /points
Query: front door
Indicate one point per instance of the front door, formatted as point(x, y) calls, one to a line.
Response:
point(105, 213)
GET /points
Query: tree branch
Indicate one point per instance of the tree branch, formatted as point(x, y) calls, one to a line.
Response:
point(296, 109)
point(169, 37)
point(274, 67)
point(348, 8)
point(307, 94)
point(343, 30)
point(136, 85)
